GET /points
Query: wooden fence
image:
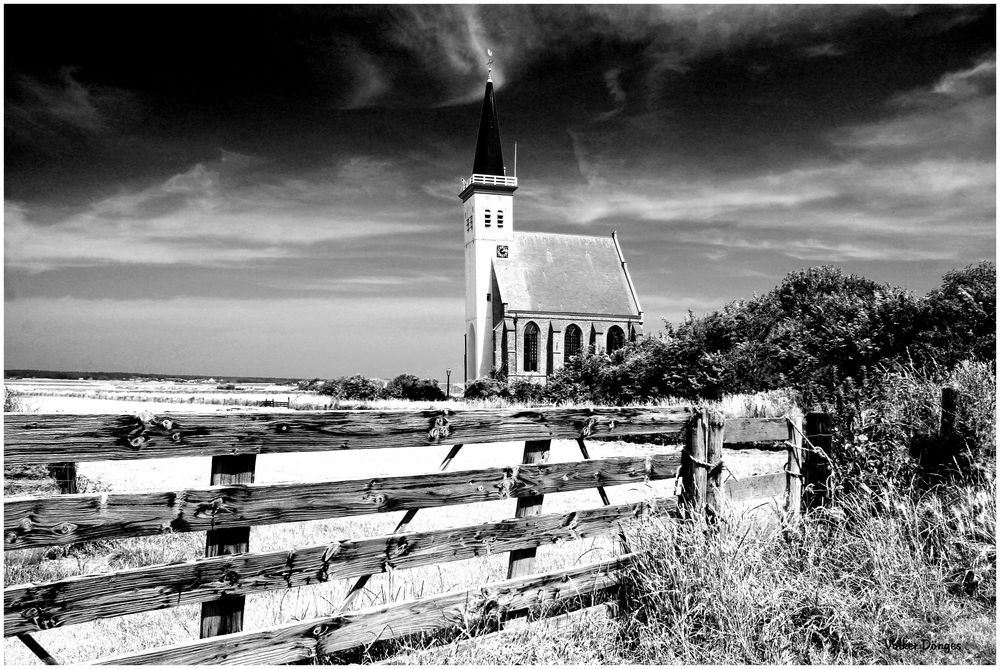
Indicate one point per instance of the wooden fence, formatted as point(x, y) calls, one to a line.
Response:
point(277, 403)
point(232, 504)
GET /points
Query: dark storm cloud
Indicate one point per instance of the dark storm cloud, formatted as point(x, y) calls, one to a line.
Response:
point(271, 158)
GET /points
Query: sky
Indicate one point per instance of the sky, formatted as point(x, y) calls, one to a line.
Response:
point(273, 191)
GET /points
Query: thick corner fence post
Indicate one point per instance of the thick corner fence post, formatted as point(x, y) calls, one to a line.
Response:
point(694, 478)
point(816, 468)
point(793, 468)
point(713, 456)
point(225, 615)
point(65, 475)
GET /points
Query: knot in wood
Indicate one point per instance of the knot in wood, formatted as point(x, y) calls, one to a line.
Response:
point(320, 630)
point(138, 442)
point(26, 524)
point(216, 506)
point(588, 427)
point(440, 429)
point(282, 427)
point(167, 424)
point(176, 436)
point(66, 528)
point(231, 577)
point(10, 538)
point(42, 620)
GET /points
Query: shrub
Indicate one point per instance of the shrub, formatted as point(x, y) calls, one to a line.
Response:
point(12, 401)
point(409, 387)
point(524, 391)
point(359, 387)
point(486, 389)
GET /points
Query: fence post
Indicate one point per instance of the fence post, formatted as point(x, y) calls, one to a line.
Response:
point(65, 475)
point(522, 561)
point(225, 615)
point(942, 457)
point(951, 443)
point(793, 480)
point(815, 463)
point(713, 456)
point(694, 478)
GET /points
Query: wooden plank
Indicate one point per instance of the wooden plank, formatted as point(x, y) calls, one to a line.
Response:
point(225, 614)
point(39, 438)
point(81, 599)
point(756, 487)
point(522, 560)
point(749, 430)
point(325, 635)
point(694, 477)
point(47, 521)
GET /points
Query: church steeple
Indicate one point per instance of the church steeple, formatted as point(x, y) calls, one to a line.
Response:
point(489, 153)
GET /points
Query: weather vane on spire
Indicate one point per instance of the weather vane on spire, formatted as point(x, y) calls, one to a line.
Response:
point(489, 65)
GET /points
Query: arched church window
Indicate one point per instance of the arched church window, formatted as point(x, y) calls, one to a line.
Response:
point(531, 348)
point(499, 218)
point(487, 218)
point(573, 341)
point(616, 338)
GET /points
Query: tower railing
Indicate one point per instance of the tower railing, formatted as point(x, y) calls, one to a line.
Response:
point(489, 180)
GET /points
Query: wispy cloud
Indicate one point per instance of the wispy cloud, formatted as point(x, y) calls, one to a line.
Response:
point(214, 214)
point(919, 185)
point(52, 115)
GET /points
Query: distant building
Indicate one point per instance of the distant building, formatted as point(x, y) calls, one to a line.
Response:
point(534, 299)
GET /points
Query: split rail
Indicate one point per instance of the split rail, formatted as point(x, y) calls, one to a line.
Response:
point(233, 503)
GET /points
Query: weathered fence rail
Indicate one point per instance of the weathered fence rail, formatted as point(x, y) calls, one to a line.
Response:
point(227, 510)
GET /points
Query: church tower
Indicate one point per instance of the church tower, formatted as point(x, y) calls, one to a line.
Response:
point(488, 212)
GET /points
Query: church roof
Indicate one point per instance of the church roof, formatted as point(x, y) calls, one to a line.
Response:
point(489, 154)
point(564, 274)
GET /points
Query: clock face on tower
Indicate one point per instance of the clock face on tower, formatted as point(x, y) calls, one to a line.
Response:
point(501, 251)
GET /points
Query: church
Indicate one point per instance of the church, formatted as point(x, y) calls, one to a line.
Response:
point(534, 299)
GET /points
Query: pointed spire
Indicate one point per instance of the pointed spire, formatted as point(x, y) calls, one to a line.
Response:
point(489, 154)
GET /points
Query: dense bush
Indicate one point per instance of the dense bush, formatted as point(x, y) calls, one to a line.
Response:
point(409, 387)
point(355, 387)
point(362, 388)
